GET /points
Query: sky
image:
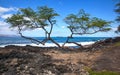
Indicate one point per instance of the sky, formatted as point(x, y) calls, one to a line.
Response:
point(103, 9)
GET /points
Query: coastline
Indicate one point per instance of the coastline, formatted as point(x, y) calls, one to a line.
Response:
point(32, 60)
point(51, 44)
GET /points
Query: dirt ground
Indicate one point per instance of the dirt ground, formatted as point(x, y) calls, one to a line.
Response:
point(28, 60)
point(86, 58)
point(106, 59)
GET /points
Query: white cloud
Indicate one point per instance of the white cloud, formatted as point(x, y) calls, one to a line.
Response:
point(114, 29)
point(63, 27)
point(26, 18)
point(5, 13)
point(6, 16)
point(3, 10)
point(4, 29)
point(7, 31)
point(2, 24)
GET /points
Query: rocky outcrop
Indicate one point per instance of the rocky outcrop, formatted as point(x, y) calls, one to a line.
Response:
point(28, 60)
point(102, 44)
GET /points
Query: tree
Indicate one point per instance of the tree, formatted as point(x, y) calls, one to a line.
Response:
point(27, 18)
point(118, 30)
point(82, 23)
point(117, 10)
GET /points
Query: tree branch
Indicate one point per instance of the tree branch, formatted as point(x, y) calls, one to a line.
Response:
point(37, 41)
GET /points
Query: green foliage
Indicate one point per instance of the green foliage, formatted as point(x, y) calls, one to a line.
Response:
point(46, 13)
point(117, 10)
point(96, 22)
point(82, 23)
point(118, 19)
point(91, 72)
point(28, 12)
point(27, 18)
point(117, 44)
point(18, 20)
point(118, 29)
point(15, 20)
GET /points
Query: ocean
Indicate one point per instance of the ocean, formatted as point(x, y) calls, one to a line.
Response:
point(4, 41)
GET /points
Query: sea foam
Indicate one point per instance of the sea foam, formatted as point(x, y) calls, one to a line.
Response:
point(50, 44)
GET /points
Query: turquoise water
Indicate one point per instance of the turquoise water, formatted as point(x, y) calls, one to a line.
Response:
point(19, 40)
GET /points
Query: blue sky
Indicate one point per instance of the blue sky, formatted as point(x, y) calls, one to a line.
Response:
point(97, 8)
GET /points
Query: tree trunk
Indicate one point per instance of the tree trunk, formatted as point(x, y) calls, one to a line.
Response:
point(37, 41)
point(55, 42)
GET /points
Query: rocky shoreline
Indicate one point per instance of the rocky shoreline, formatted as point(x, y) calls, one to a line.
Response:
point(29, 60)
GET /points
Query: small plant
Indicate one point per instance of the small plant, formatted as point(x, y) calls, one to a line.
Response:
point(104, 72)
point(117, 44)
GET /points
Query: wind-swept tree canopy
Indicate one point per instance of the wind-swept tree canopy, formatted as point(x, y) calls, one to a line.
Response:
point(79, 24)
point(118, 30)
point(117, 10)
point(82, 23)
point(27, 18)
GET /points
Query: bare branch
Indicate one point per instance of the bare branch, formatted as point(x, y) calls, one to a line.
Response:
point(32, 40)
